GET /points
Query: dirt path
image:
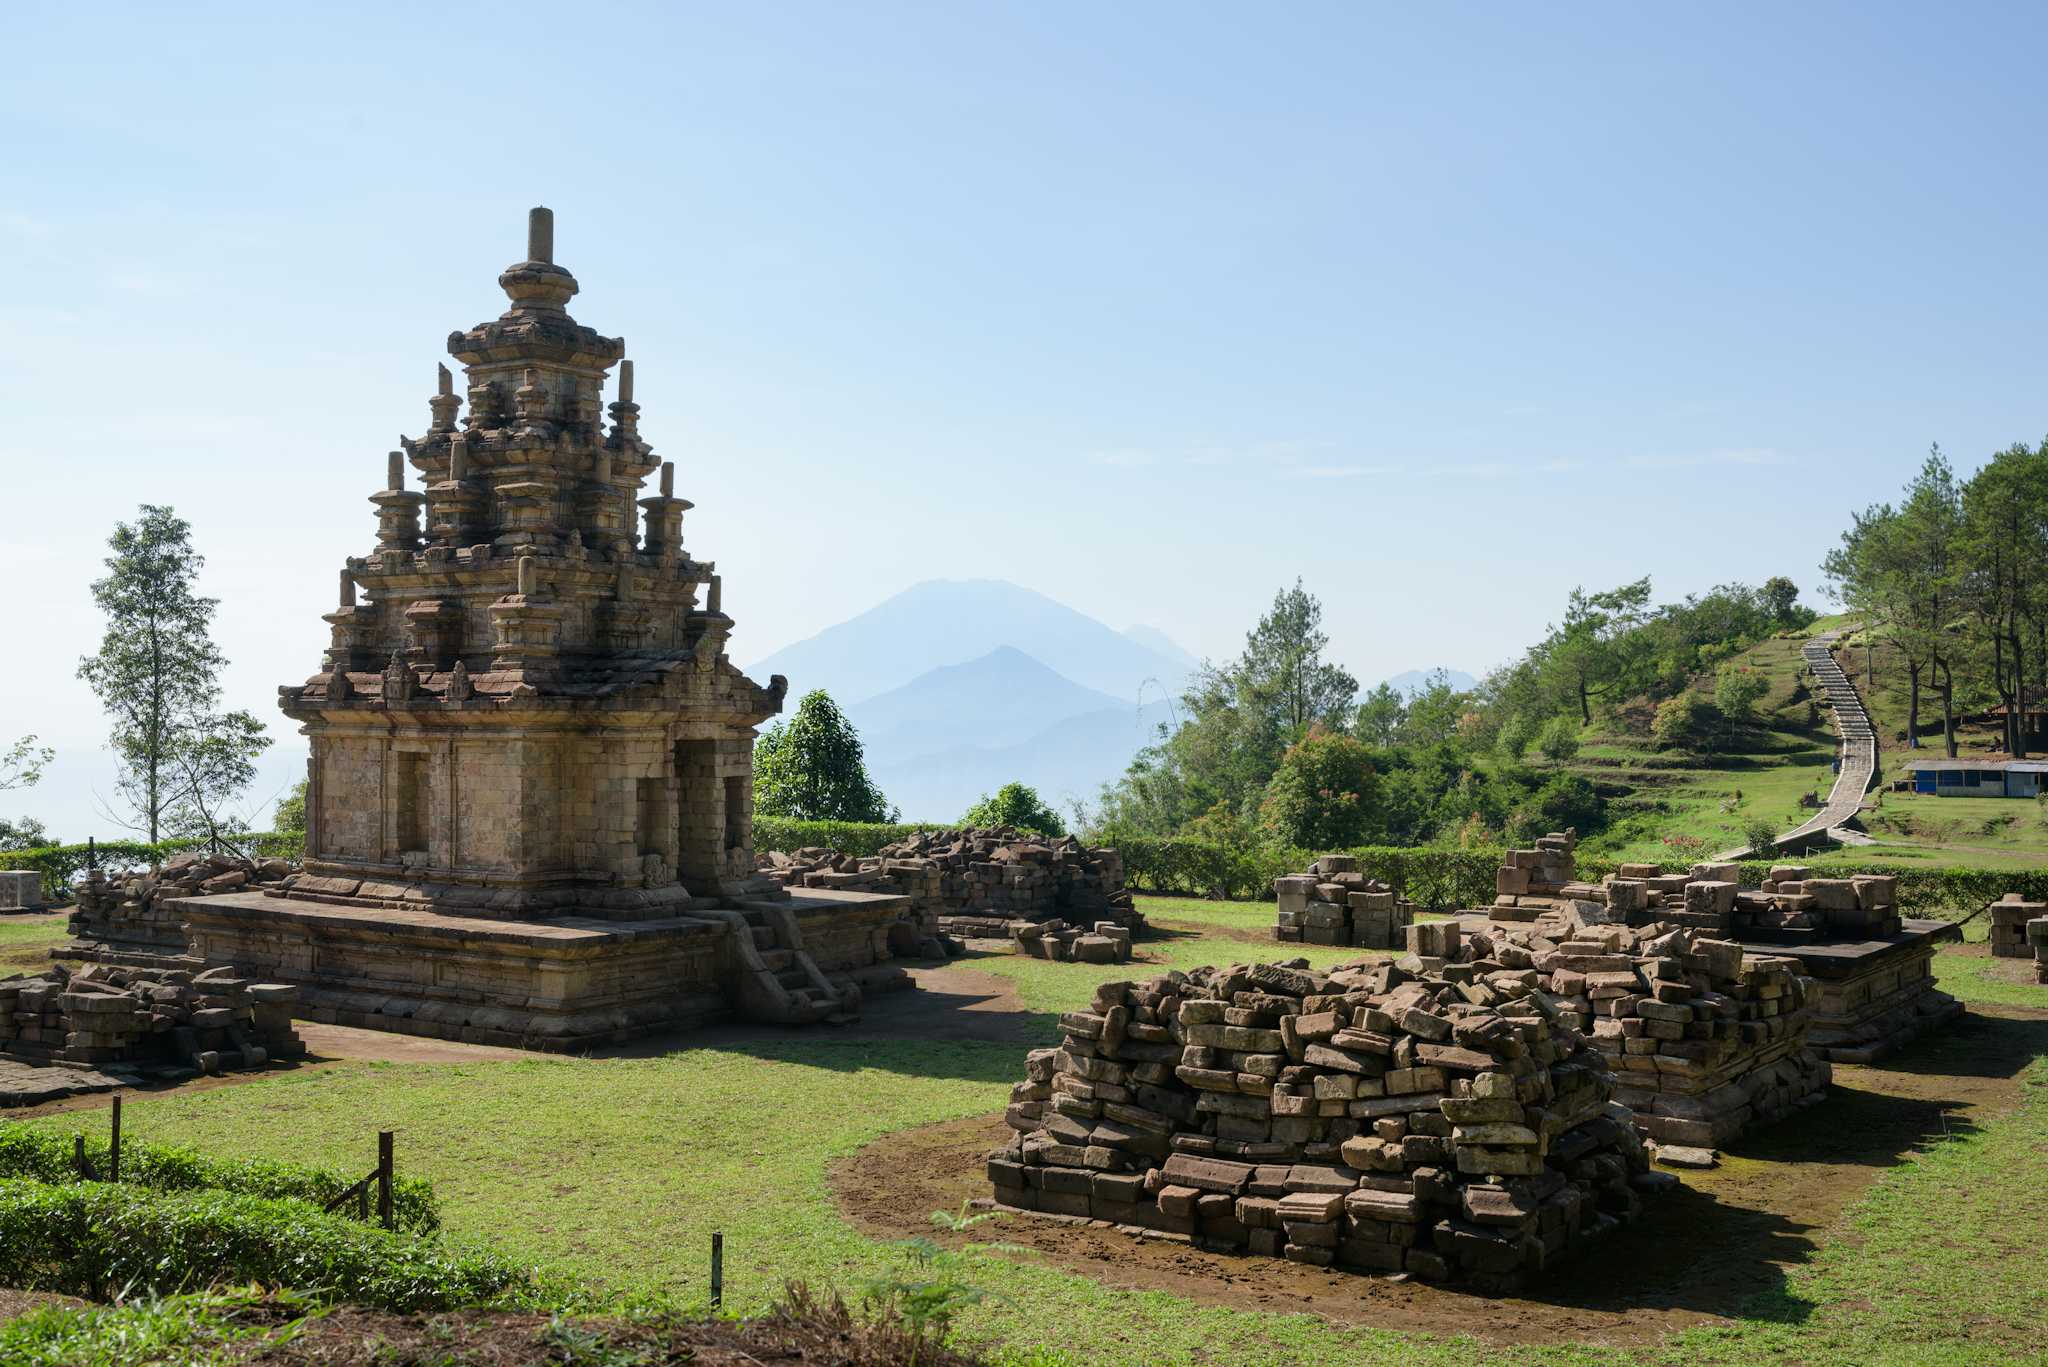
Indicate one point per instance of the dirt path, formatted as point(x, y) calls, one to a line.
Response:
point(1767, 1209)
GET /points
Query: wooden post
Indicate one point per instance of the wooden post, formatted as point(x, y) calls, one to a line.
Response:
point(384, 1212)
point(717, 1268)
point(114, 1153)
point(78, 1157)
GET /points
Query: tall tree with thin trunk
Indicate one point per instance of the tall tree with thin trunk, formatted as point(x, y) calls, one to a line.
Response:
point(157, 671)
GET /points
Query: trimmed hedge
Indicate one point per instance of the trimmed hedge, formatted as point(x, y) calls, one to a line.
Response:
point(44, 1157)
point(1441, 879)
point(61, 864)
point(857, 838)
point(95, 1239)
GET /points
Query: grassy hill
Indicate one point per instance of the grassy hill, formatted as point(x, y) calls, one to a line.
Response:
point(1672, 807)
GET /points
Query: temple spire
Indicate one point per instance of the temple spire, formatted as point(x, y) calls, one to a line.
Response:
point(540, 234)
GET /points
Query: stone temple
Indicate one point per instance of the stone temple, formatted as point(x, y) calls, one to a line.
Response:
point(530, 810)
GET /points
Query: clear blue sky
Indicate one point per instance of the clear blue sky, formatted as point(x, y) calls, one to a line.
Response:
point(1150, 307)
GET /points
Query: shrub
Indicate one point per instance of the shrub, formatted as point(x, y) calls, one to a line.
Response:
point(60, 865)
point(94, 1239)
point(857, 838)
point(1324, 793)
point(46, 1157)
point(1686, 722)
point(1761, 837)
point(1737, 690)
point(1558, 741)
point(1015, 804)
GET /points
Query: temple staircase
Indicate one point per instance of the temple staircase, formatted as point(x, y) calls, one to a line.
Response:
point(779, 983)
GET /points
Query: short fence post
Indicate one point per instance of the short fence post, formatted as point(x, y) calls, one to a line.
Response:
point(717, 1268)
point(385, 1216)
point(78, 1157)
point(114, 1153)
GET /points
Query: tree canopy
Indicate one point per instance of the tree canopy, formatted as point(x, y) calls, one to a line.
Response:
point(812, 768)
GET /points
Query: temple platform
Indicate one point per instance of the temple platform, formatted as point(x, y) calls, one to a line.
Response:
point(561, 984)
point(1870, 996)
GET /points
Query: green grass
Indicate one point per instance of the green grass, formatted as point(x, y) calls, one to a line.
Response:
point(619, 1170)
point(26, 941)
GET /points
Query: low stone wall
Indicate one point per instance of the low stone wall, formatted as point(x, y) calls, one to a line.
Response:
point(103, 1016)
point(1334, 904)
point(1451, 1126)
point(983, 879)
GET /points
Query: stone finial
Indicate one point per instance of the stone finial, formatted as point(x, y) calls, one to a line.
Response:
point(714, 596)
point(526, 576)
point(447, 381)
point(394, 471)
point(459, 687)
point(348, 589)
point(540, 234)
point(668, 479)
point(458, 457)
point(625, 382)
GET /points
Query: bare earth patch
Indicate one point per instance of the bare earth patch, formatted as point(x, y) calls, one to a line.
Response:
point(1765, 1210)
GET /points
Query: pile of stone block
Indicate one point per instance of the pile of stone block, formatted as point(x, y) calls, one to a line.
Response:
point(1704, 1039)
point(976, 882)
point(126, 915)
point(2009, 917)
point(1530, 881)
point(1334, 904)
point(141, 1018)
point(1105, 942)
point(1452, 1124)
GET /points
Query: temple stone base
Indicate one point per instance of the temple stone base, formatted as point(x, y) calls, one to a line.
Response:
point(1872, 997)
point(561, 984)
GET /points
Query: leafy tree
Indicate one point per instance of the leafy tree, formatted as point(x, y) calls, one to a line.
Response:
point(1564, 800)
point(1015, 804)
point(1380, 715)
point(211, 764)
point(1737, 690)
point(1558, 741)
point(1434, 712)
point(1283, 667)
point(2004, 549)
point(22, 765)
point(812, 768)
point(157, 672)
point(291, 809)
point(1323, 795)
point(1597, 650)
point(1781, 600)
point(25, 834)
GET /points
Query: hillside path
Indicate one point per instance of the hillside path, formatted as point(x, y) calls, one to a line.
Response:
point(1859, 740)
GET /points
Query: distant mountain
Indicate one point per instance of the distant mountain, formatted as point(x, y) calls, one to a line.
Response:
point(1415, 680)
point(1159, 643)
point(1071, 759)
point(951, 621)
point(1001, 699)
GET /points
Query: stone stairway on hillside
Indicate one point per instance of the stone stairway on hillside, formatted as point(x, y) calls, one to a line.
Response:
point(1858, 753)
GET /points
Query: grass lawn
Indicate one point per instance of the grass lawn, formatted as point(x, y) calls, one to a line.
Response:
point(619, 1170)
point(26, 941)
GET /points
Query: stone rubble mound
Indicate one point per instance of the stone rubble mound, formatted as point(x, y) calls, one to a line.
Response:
point(978, 881)
point(1104, 943)
point(1334, 904)
point(1452, 1124)
point(147, 1019)
point(1704, 1040)
point(121, 911)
